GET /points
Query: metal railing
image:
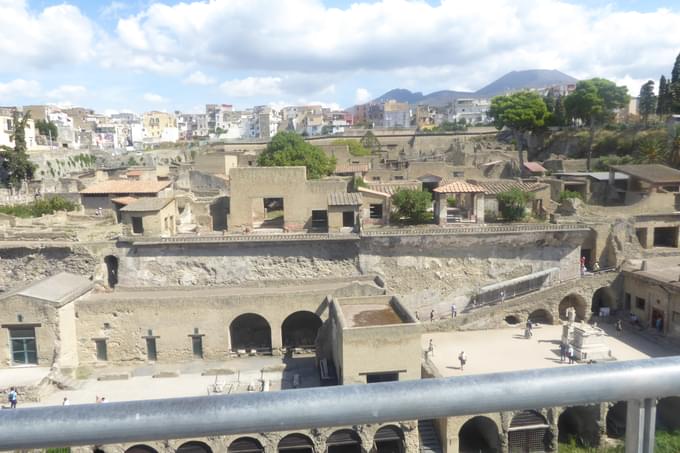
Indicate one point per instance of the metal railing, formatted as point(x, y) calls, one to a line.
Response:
point(639, 382)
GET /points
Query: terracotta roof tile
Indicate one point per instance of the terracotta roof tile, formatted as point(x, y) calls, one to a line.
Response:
point(124, 200)
point(499, 186)
point(390, 188)
point(534, 167)
point(344, 199)
point(459, 187)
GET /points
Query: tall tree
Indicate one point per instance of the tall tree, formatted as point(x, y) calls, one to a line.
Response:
point(15, 163)
point(664, 101)
point(521, 112)
point(289, 149)
point(675, 86)
point(20, 121)
point(594, 102)
point(647, 101)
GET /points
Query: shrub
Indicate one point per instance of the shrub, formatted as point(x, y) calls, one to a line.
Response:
point(354, 146)
point(40, 207)
point(570, 195)
point(411, 206)
point(513, 204)
point(451, 202)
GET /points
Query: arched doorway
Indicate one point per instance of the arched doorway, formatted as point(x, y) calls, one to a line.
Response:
point(140, 449)
point(576, 302)
point(250, 331)
point(299, 330)
point(245, 445)
point(668, 414)
point(194, 447)
point(389, 439)
point(111, 270)
point(296, 443)
point(529, 432)
point(580, 423)
point(616, 420)
point(344, 441)
point(603, 297)
point(512, 320)
point(479, 435)
point(541, 316)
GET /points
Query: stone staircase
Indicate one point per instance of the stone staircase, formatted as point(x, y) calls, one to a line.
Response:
point(429, 439)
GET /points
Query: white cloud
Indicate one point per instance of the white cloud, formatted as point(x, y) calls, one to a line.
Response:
point(454, 44)
point(252, 86)
point(64, 91)
point(18, 88)
point(362, 96)
point(113, 9)
point(199, 78)
point(153, 97)
point(56, 35)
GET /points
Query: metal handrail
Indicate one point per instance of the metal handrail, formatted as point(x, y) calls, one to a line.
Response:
point(177, 418)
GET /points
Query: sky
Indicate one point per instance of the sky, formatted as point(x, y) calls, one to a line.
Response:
point(141, 55)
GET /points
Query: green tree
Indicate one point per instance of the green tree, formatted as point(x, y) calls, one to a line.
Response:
point(15, 163)
point(675, 86)
point(513, 204)
point(412, 205)
point(520, 112)
point(20, 121)
point(594, 102)
point(647, 101)
point(663, 105)
point(370, 141)
point(289, 149)
point(47, 128)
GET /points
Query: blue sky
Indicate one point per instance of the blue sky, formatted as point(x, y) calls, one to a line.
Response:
point(140, 55)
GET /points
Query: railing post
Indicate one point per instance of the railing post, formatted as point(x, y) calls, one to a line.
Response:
point(640, 426)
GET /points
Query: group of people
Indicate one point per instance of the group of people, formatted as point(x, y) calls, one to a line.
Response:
point(13, 397)
point(567, 353)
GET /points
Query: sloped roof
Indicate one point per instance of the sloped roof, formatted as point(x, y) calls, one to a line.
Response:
point(351, 168)
point(652, 173)
point(147, 204)
point(459, 187)
point(373, 192)
point(534, 167)
point(504, 185)
point(123, 186)
point(392, 187)
point(124, 200)
point(344, 199)
point(59, 289)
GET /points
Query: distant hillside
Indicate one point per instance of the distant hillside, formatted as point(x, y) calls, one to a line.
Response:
point(517, 80)
point(512, 81)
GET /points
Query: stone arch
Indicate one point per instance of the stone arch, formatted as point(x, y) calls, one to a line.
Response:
point(529, 431)
point(111, 262)
point(668, 414)
point(344, 441)
point(512, 320)
point(140, 449)
point(479, 435)
point(194, 447)
point(603, 297)
point(541, 316)
point(577, 302)
point(616, 420)
point(299, 329)
point(580, 423)
point(389, 439)
point(250, 331)
point(245, 445)
point(296, 443)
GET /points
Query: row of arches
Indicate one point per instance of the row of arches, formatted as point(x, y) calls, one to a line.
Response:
point(530, 432)
point(252, 331)
point(603, 297)
point(388, 439)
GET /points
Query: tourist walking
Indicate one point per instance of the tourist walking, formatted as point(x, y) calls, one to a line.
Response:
point(66, 402)
point(12, 397)
point(563, 352)
point(502, 295)
point(570, 354)
point(619, 326)
point(462, 358)
point(430, 349)
point(432, 316)
point(454, 313)
point(417, 317)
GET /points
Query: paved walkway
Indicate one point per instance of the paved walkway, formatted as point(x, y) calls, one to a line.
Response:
point(499, 350)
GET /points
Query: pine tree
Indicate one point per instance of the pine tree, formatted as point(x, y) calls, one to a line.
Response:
point(675, 86)
point(662, 103)
point(647, 101)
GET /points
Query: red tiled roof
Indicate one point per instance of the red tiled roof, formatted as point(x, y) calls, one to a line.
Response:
point(392, 187)
point(459, 187)
point(124, 200)
point(123, 186)
point(494, 187)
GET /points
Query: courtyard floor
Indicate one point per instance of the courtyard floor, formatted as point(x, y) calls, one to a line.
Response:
point(491, 351)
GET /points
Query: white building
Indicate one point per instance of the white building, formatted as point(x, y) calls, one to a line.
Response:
point(473, 111)
point(7, 129)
